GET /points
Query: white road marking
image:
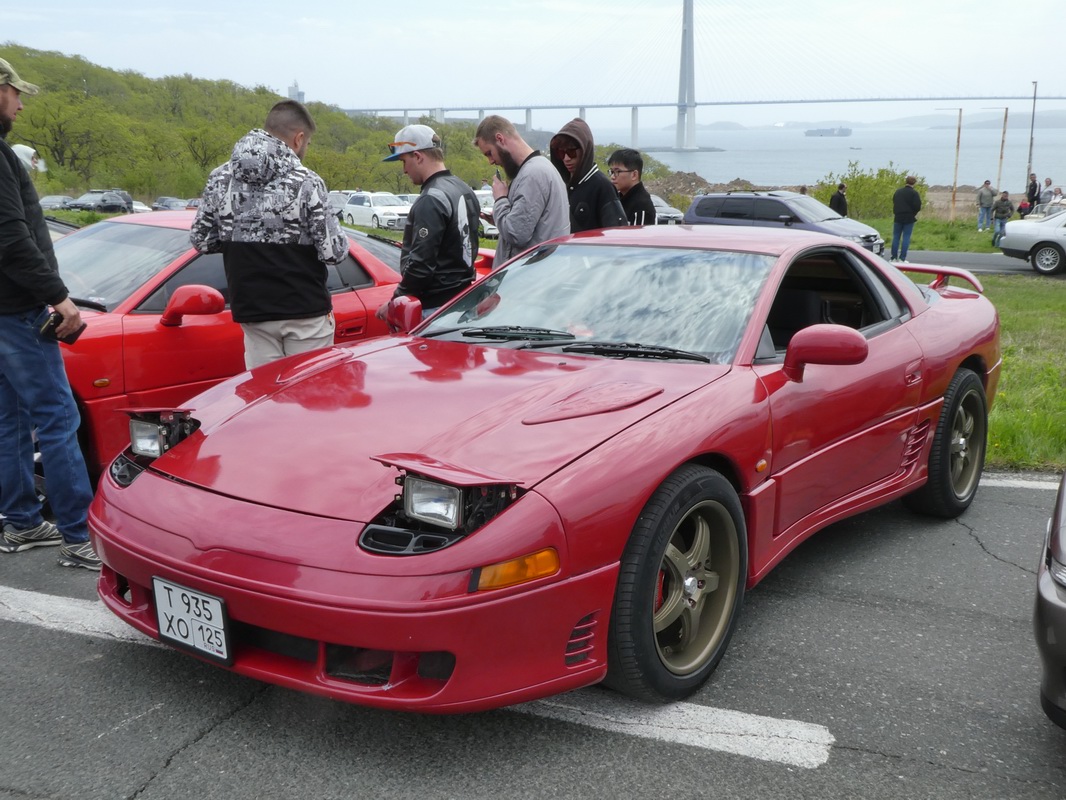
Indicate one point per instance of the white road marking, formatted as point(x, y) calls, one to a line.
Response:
point(1004, 482)
point(785, 741)
point(789, 742)
point(84, 617)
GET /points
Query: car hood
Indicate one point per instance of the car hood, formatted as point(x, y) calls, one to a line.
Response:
point(844, 227)
point(326, 433)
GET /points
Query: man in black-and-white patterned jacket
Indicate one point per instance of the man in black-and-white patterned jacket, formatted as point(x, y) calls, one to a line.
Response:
point(269, 216)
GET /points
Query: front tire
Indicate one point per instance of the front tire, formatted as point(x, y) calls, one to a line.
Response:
point(351, 219)
point(374, 222)
point(1047, 259)
point(957, 457)
point(680, 588)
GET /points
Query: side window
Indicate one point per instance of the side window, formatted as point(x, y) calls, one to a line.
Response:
point(736, 208)
point(708, 207)
point(349, 274)
point(204, 269)
point(767, 210)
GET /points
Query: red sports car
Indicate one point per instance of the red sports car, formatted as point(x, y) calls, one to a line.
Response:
point(571, 474)
point(159, 328)
point(146, 343)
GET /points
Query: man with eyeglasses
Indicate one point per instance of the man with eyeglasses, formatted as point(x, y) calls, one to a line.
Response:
point(625, 168)
point(594, 203)
point(440, 239)
point(532, 208)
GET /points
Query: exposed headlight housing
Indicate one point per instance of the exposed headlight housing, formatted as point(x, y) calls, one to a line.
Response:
point(152, 432)
point(433, 502)
point(429, 515)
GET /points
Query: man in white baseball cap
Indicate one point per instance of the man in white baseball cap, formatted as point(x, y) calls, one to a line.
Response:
point(440, 238)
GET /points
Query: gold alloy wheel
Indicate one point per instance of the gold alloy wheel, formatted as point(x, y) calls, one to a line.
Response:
point(696, 595)
point(968, 435)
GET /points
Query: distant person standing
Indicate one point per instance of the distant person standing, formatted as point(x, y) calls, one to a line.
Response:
point(1002, 210)
point(625, 168)
point(986, 196)
point(906, 203)
point(803, 189)
point(533, 208)
point(35, 397)
point(594, 203)
point(1046, 193)
point(839, 201)
point(440, 240)
point(1032, 191)
point(270, 218)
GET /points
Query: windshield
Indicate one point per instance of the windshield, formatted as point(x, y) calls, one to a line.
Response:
point(697, 301)
point(810, 210)
point(107, 262)
point(388, 200)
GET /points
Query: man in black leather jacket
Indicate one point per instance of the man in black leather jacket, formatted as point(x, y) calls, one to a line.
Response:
point(440, 239)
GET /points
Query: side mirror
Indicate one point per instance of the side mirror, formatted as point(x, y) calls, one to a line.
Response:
point(193, 298)
point(824, 344)
point(788, 219)
point(403, 313)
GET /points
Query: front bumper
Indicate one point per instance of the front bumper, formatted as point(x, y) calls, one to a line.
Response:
point(292, 624)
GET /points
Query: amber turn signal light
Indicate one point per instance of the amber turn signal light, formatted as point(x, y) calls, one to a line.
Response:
point(518, 570)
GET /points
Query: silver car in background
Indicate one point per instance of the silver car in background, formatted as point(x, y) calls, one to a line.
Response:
point(1040, 241)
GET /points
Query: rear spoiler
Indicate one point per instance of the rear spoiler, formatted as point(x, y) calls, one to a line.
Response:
point(943, 274)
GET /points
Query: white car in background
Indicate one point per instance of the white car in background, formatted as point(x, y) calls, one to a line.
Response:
point(666, 214)
point(375, 210)
point(408, 198)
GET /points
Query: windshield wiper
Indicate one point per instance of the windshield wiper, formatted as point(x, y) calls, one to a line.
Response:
point(517, 332)
point(634, 349)
point(93, 304)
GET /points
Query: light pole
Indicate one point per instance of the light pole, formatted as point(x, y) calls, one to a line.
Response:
point(1032, 123)
point(958, 143)
point(1002, 144)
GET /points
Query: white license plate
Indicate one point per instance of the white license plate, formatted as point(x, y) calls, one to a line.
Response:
point(192, 620)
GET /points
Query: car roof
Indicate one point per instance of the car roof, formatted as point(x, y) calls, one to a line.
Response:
point(180, 219)
point(741, 238)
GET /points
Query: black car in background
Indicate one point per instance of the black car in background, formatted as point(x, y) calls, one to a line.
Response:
point(168, 204)
point(780, 209)
point(105, 201)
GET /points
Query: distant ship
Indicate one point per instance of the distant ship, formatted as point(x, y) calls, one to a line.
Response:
point(828, 132)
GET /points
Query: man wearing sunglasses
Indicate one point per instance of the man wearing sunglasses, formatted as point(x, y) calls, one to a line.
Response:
point(440, 240)
point(594, 202)
point(625, 168)
point(533, 207)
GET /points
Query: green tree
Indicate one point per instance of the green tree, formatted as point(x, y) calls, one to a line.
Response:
point(869, 191)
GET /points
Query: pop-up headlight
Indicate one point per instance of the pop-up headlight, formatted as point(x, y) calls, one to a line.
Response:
point(432, 502)
point(152, 433)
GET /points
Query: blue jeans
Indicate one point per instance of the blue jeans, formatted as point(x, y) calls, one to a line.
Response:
point(35, 393)
point(901, 231)
point(984, 217)
point(999, 229)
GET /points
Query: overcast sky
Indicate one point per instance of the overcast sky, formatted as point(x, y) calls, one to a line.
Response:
point(418, 54)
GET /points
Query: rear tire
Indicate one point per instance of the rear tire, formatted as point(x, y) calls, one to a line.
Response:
point(1047, 259)
point(957, 457)
point(680, 588)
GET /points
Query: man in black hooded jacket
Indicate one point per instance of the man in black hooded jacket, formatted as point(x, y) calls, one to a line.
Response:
point(594, 202)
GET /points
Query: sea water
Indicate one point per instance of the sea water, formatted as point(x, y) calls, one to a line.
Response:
point(786, 157)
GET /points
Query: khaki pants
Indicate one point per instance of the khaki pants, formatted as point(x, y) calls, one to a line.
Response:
point(268, 341)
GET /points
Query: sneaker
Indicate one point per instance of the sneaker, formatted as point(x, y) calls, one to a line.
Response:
point(79, 554)
point(15, 541)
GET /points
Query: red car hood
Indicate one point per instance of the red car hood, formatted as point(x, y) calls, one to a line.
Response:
point(324, 434)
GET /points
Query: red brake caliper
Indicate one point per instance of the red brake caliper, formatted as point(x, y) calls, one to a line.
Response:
point(659, 590)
